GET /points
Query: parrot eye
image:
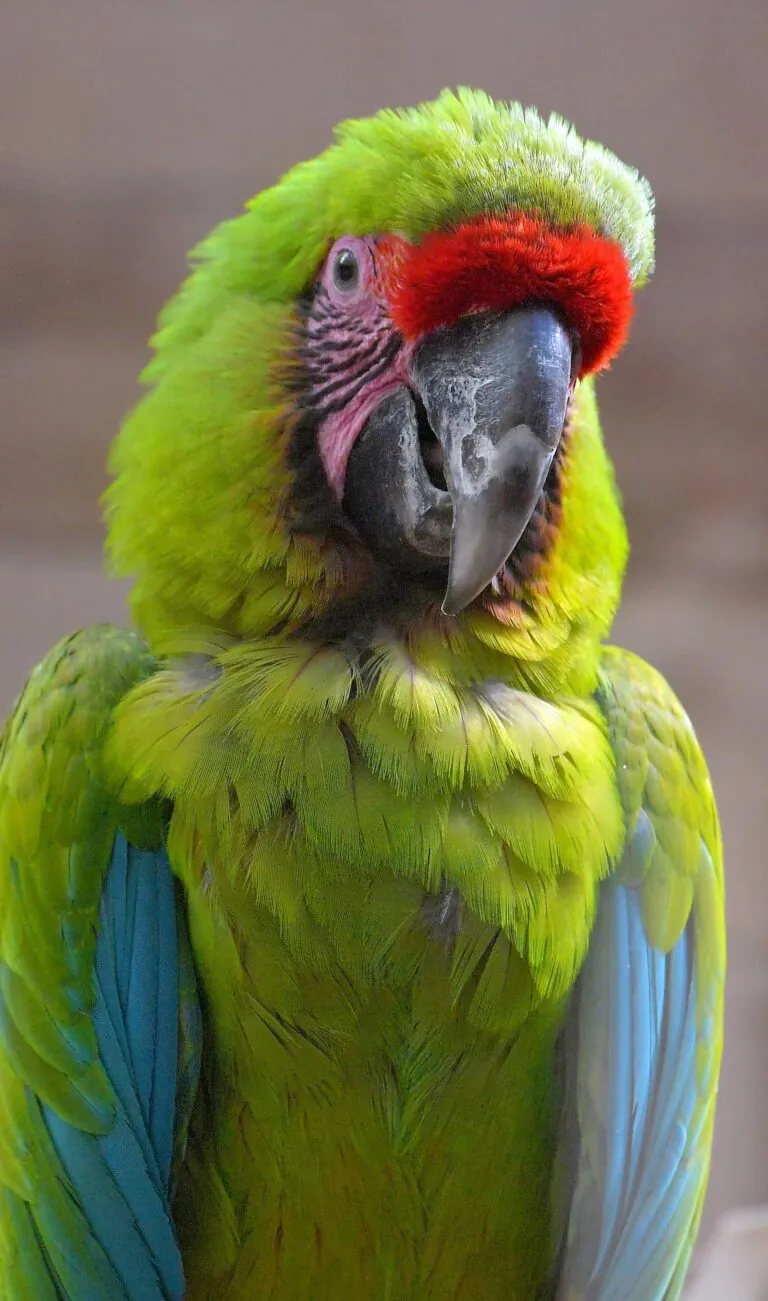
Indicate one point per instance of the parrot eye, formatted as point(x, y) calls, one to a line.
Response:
point(346, 270)
point(349, 272)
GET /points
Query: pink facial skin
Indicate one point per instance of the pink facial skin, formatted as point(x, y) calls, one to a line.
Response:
point(355, 357)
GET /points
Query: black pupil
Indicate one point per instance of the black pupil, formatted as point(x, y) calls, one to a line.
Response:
point(345, 271)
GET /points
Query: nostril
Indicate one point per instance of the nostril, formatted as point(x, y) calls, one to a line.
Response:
point(430, 448)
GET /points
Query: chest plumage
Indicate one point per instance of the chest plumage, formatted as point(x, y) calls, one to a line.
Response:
point(392, 883)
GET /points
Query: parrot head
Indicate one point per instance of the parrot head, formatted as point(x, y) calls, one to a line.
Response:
point(371, 402)
point(438, 377)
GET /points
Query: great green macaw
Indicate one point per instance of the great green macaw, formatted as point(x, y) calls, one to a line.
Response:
point(361, 915)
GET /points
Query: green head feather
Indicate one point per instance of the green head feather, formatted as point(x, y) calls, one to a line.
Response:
point(197, 512)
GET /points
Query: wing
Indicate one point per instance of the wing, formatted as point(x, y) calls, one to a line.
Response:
point(92, 1063)
point(646, 1031)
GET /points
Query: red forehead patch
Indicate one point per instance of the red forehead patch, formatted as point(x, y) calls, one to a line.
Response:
point(496, 263)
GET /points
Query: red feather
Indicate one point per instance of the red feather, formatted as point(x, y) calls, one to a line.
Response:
point(495, 263)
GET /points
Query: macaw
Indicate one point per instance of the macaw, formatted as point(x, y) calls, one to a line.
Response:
point(361, 913)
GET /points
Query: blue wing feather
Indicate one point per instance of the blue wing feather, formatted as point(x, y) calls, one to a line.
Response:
point(638, 1092)
point(121, 1180)
point(141, 1001)
point(643, 1042)
point(162, 1108)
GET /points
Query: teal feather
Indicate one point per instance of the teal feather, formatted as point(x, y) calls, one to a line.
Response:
point(122, 1179)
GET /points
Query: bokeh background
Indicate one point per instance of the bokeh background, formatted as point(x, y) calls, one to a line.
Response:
point(130, 127)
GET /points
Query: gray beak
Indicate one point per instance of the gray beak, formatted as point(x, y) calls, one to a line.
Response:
point(493, 392)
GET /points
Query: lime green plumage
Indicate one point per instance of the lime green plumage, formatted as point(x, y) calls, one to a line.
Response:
point(57, 822)
point(391, 846)
point(369, 1035)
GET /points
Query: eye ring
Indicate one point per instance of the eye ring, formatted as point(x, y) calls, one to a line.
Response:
point(346, 271)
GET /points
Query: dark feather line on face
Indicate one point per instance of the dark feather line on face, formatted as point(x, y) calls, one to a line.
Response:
point(347, 394)
point(325, 316)
point(320, 330)
point(334, 364)
point(323, 342)
point(324, 312)
point(313, 507)
point(355, 361)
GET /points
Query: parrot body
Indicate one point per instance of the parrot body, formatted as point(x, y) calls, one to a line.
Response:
point(353, 947)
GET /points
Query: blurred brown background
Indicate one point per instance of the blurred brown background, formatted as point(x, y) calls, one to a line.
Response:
point(131, 127)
